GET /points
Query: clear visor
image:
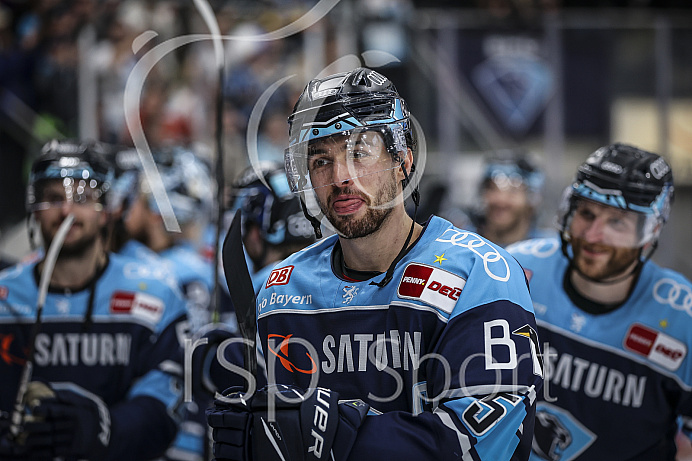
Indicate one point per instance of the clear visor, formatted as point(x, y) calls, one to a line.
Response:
point(506, 181)
point(335, 159)
point(596, 223)
point(68, 191)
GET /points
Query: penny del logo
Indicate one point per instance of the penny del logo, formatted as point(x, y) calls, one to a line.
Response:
point(431, 285)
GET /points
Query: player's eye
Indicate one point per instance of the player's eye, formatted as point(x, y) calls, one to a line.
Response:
point(318, 162)
point(586, 214)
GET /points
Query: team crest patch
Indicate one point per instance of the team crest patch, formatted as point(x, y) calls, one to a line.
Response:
point(141, 305)
point(431, 285)
point(657, 347)
point(4, 292)
point(279, 276)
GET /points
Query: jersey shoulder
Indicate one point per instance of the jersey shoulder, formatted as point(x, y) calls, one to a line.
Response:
point(668, 294)
point(18, 288)
point(302, 269)
point(188, 265)
point(488, 272)
point(146, 287)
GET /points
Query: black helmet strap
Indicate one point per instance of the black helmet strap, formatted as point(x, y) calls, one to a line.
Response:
point(415, 196)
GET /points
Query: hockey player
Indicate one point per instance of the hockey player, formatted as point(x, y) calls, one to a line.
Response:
point(106, 380)
point(614, 325)
point(187, 183)
point(510, 195)
point(124, 192)
point(274, 226)
point(429, 329)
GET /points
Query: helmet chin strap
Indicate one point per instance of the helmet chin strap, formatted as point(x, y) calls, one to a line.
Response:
point(316, 223)
point(415, 196)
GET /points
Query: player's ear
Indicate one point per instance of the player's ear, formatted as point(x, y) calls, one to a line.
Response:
point(407, 164)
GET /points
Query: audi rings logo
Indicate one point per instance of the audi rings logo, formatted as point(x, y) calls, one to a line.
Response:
point(540, 248)
point(495, 264)
point(677, 295)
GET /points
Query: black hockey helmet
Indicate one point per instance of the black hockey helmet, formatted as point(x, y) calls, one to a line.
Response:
point(82, 165)
point(624, 177)
point(265, 200)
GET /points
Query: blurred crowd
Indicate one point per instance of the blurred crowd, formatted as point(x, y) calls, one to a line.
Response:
point(64, 67)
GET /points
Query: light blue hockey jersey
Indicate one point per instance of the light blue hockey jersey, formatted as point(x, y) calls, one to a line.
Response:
point(446, 352)
point(615, 382)
point(128, 352)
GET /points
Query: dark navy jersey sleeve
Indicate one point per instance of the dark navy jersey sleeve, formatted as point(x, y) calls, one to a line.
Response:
point(446, 354)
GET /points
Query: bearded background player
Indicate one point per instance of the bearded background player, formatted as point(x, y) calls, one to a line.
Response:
point(107, 358)
point(510, 196)
point(616, 326)
point(427, 330)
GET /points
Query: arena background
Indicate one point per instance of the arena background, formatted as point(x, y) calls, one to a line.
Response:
point(557, 78)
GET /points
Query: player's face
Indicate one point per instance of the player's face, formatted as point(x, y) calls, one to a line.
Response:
point(355, 181)
point(604, 240)
point(506, 205)
point(55, 202)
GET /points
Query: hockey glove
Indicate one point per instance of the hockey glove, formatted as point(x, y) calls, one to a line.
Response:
point(10, 447)
point(312, 425)
point(72, 423)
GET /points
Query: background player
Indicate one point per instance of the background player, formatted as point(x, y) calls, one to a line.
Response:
point(188, 186)
point(187, 182)
point(380, 312)
point(616, 329)
point(274, 226)
point(107, 354)
point(510, 195)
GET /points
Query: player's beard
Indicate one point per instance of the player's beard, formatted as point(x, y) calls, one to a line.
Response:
point(510, 219)
point(74, 249)
point(617, 264)
point(379, 208)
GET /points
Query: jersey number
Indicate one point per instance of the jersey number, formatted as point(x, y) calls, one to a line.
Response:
point(492, 411)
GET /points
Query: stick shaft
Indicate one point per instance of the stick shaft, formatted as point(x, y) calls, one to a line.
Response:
point(44, 282)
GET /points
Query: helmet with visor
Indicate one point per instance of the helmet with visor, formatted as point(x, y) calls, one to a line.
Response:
point(356, 120)
point(81, 169)
point(265, 200)
point(633, 188)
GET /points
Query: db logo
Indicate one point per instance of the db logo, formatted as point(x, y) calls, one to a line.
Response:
point(279, 276)
point(451, 293)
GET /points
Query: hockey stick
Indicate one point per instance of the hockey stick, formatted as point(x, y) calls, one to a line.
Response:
point(205, 10)
point(240, 288)
point(46, 274)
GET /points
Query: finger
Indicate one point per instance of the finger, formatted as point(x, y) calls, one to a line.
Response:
point(229, 436)
point(222, 450)
point(227, 419)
